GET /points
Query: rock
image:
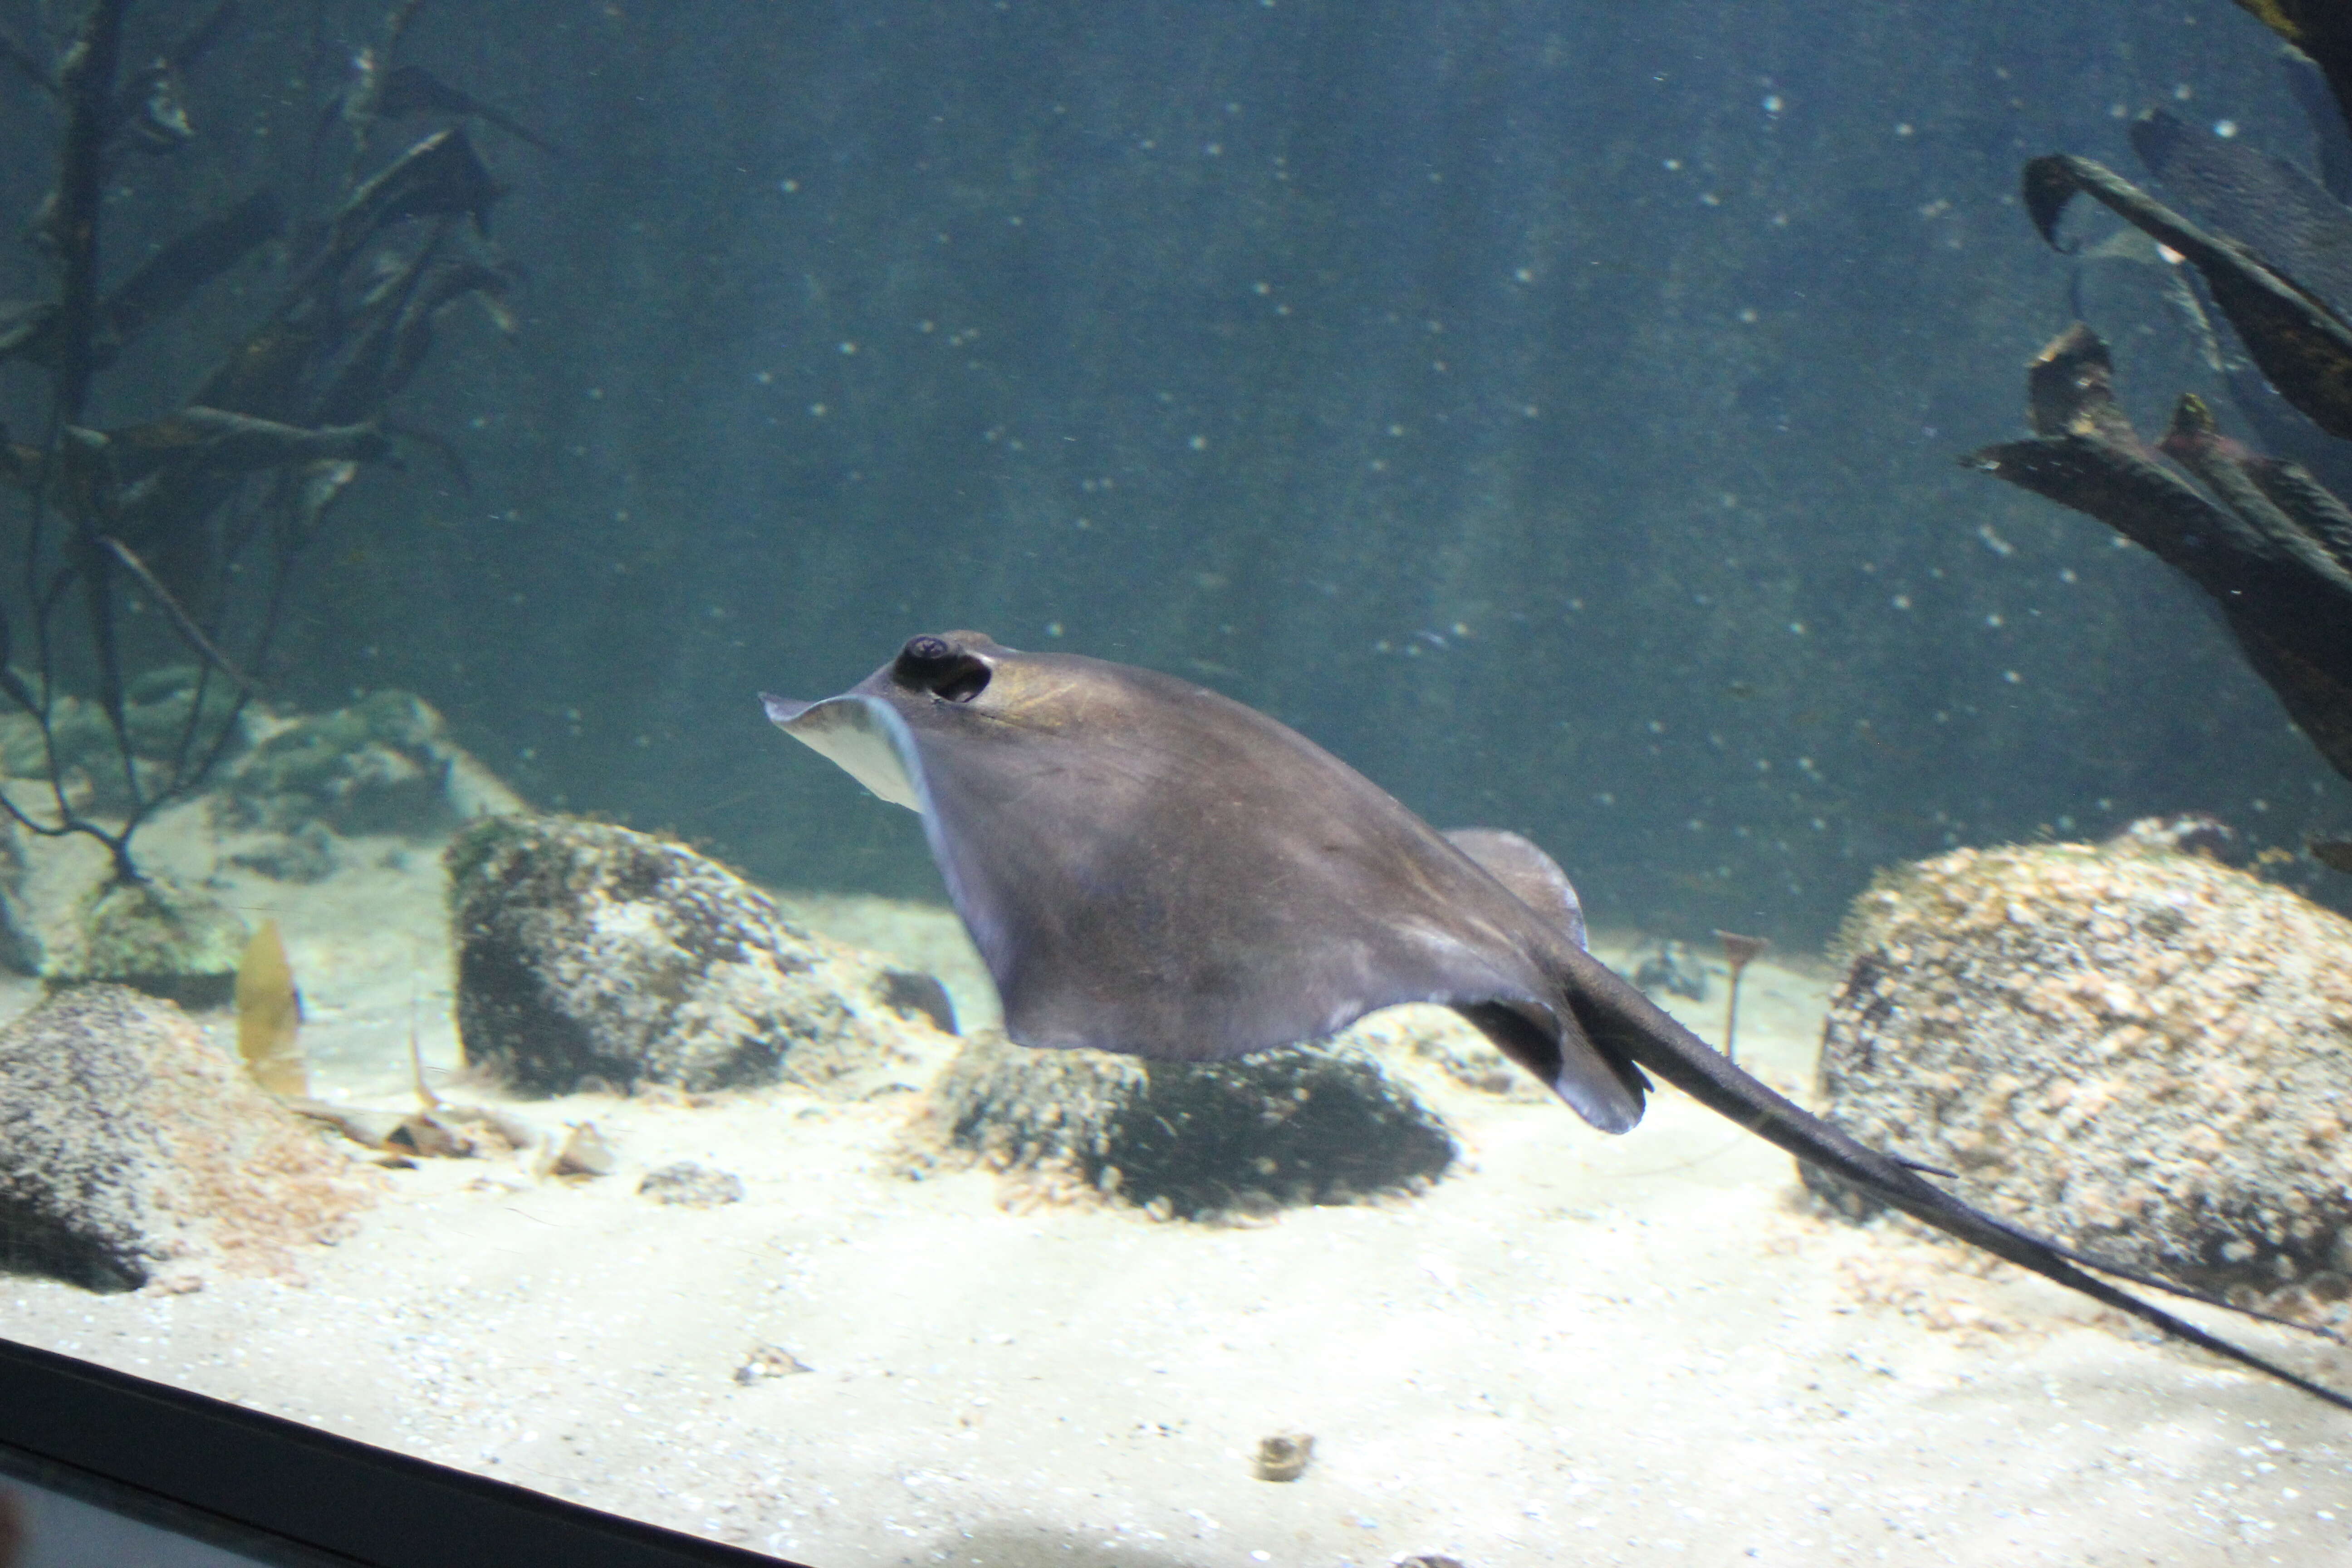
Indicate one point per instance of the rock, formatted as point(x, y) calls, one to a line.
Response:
point(589, 951)
point(384, 764)
point(1420, 1036)
point(689, 1185)
point(154, 937)
point(2141, 1052)
point(1673, 967)
point(583, 1152)
point(374, 767)
point(20, 948)
point(305, 855)
point(767, 1362)
point(2186, 832)
point(128, 1140)
point(88, 756)
point(1285, 1128)
point(911, 995)
point(1284, 1456)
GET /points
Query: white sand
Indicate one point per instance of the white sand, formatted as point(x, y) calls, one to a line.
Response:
point(1575, 1350)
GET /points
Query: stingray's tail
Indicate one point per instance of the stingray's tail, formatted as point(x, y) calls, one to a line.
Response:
point(1620, 1019)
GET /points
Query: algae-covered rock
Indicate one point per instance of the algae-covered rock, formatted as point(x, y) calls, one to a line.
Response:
point(1305, 1125)
point(20, 946)
point(689, 1185)
point(2139, 1051)
point(152, 937)
point(127, 1141)
point(382, 765)
point(592, 952)
point(306, 854)
point(157, 707)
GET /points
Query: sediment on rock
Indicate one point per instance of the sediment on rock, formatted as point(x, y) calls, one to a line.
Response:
point(128, 1140)
point(154, 936)
point(2141, 1052)
point(1280, 1128)
point(591, 953)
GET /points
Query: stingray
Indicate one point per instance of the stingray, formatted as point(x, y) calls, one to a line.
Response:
point(1150, 868)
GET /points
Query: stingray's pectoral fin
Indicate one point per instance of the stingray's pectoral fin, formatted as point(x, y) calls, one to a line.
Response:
point(1606, 1092)
point(861, 736)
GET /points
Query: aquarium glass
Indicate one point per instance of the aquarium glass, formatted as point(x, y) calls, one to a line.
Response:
point(447, 1010)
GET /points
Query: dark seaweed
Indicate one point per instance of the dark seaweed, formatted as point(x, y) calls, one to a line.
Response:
point(2264, 537)
point(207, 511)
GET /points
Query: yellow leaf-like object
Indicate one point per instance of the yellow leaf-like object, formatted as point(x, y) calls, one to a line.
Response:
point(270, 1016)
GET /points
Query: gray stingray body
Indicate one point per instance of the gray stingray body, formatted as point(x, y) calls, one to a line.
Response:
point(1150, 868)
point(1213, 883)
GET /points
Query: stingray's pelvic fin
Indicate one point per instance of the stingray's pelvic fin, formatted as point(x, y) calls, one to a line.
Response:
point(1607, 1092)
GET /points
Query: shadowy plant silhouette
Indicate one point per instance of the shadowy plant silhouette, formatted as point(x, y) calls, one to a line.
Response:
point(205, 512)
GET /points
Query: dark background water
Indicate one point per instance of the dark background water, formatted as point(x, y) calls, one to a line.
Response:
point(1550, 407)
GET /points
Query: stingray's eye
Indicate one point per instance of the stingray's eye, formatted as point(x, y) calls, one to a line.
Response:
point(937, 666)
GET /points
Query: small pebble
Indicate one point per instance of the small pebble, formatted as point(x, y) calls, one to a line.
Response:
point(689, 1186)
point(767, 1362)
point(1284, 1455)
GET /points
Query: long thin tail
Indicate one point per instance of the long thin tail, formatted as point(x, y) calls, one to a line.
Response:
point(1618, 1019)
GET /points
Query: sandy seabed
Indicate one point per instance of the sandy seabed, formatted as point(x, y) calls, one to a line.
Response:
point(1574, 1350)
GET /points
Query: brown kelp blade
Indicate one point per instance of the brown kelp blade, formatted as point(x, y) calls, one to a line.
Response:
point(158, 286)
point(239, 443)
point(2070, 390)
point(2269, 559)
point(2320, 28)
point(167, 280)
point(2307, 661)
point(2086, 454)
point(412, 89)
point(2237, 477)
point(441, 175)
point(273, 374)
point(2264, 203)
point(2297, 337)
point(2317, 699)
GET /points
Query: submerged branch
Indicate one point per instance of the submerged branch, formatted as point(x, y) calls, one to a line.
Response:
point(181, 620)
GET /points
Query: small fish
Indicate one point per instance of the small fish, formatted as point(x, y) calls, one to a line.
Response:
point(270, 1016)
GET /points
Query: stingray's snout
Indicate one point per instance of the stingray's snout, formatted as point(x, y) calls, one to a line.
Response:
point(943, 667)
